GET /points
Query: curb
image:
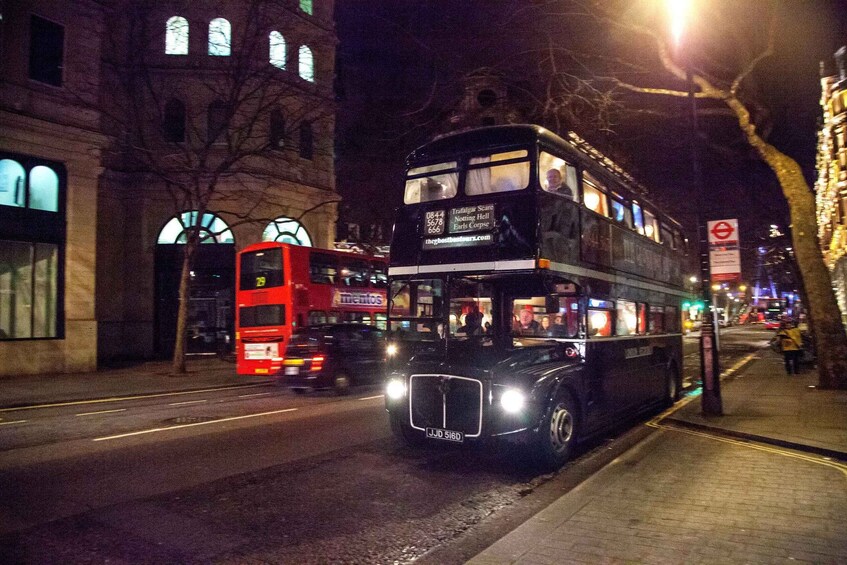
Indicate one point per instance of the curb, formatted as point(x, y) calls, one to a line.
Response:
point(822, 451)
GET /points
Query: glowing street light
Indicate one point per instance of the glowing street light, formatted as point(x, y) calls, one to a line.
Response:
point(678, 10)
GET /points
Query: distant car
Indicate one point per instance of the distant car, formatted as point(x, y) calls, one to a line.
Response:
point(333, 356)
point(771, 324)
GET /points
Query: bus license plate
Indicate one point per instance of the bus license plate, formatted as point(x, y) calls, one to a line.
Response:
point(292, 370)
point(447, 435)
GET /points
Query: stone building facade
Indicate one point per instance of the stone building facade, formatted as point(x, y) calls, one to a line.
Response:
point(124, 123)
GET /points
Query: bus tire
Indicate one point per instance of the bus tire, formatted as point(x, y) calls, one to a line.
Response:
point(558, 433)
point(341, 383)
point(404, 433)
point(671, 386)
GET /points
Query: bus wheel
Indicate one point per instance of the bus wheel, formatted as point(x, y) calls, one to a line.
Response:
point(558, 432)
point(671, 387)
point(341, 382)
point(404, 432)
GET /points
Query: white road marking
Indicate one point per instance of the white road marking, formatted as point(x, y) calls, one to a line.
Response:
point(12, 422)
point(101, 412)
point(179, 426)
point(251, 395)
point(373, 397)
point(187, 402)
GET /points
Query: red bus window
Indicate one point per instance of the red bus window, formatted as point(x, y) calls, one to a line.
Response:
point(355, 273)
point(261, 269)
point(323, 268)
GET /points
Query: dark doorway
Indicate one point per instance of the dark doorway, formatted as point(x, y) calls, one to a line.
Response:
point(210, 307)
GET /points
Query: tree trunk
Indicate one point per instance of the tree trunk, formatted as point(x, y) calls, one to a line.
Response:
point(178, 365)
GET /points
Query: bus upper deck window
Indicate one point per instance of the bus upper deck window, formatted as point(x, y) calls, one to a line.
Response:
point(638, 218)
point(621, 212)
point(651, 226)
point(431, 182)
point(564, 183)
point(486, 176)
point(594, 199)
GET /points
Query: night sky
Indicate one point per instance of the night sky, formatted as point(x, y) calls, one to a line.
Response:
point(399, 65)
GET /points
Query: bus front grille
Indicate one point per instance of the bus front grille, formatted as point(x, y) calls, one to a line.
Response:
point(447, 402)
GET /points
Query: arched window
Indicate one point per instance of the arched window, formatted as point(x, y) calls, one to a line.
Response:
point(307, 64)
point(43, 189)
point(176, 36)
point(306, 140)
point(212, 229)
point(220, 37)
point(276, 135)
point(216, 121)
point(173, 127)
point(277, 49)
point(12, 184)
point(306, 6)
point(287, 230)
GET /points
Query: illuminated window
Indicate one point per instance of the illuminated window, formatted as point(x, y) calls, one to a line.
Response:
point(600, 314)
point(287, 230)
point(557, 175)
point(277, 50)
point(431, 182)
point(306, 6)
point(492, 177)
point(657, 316)
point(637, 218)
point(621, 212)
point(176, 36)
point(627, 320)
point(220, 37)
point(593, 197)
point(306, 64)
point(32, 246)
point(651, 226)
point(212, 229)
point(642, 319)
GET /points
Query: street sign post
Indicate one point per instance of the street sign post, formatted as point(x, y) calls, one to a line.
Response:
point(724, 256)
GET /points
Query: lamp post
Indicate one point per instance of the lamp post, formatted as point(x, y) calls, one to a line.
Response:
point(709, 362)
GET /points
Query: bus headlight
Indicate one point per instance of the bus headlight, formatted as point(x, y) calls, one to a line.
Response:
point(395, 389)
point(513, 401)
point(391, 350)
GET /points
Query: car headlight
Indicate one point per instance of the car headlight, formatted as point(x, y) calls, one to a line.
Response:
point(513, 401)
point(391, 350)
point(395, 389)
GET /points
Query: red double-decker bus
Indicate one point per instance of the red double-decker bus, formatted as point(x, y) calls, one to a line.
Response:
point(282, 286)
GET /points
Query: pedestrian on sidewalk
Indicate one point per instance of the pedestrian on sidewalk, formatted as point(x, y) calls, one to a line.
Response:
point(791, 344)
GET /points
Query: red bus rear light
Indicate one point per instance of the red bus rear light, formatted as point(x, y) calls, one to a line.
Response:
point(317, 363)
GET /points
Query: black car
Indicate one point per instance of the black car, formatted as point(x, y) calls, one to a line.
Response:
point(333, 356)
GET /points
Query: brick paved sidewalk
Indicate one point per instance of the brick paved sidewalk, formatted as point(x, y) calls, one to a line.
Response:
point(686, 498)
point(753, 486)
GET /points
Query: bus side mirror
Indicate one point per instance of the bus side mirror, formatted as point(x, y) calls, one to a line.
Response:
point(551, 304)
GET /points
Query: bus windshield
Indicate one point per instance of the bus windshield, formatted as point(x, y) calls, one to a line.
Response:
point(261, 269)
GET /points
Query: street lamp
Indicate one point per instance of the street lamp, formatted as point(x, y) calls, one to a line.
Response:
point(679, 11)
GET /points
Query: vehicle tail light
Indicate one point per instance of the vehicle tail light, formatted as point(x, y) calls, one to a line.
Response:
point(317, 362)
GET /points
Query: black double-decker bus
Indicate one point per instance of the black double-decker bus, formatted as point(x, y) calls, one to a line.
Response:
point(534, 293)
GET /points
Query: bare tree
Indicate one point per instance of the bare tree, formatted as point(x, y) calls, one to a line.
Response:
point(639, 67)
point(222, 125)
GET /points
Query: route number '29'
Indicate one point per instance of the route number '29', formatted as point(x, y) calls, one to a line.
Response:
point(260, 282)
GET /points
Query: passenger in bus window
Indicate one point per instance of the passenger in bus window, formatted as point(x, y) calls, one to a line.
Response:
point(559, 329)
point(528, 325)
point(545, 326)
point(556, 185)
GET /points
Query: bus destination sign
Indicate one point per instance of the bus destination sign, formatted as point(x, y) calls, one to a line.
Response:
point(475, 224)
point(471, 218)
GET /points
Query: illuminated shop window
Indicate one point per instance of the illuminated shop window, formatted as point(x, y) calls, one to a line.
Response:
point(220, 37)
point(306, 64)
point(39, 190)
point(212, 229)
point(277, 49)
point(176, 36)
point(43, 189)
point(287, 230)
